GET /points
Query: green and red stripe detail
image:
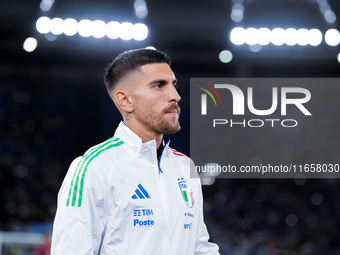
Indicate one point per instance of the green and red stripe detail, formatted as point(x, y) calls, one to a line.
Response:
point(77, 183)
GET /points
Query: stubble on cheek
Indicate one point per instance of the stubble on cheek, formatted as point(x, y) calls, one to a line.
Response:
point(159, 122)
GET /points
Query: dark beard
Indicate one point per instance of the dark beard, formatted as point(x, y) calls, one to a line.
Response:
point(161, 126)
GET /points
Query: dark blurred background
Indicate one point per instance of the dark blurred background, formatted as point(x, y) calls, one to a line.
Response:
point(54, 106)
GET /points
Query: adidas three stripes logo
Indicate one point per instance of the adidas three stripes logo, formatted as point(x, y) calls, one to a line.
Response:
point(140, 193)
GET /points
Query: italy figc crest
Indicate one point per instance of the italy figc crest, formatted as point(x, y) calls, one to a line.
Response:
point(187, 194)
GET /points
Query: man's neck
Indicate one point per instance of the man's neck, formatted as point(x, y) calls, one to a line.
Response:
point(160, 150)
point(143, 133)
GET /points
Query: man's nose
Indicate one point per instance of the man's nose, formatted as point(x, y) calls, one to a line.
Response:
point(174, 96)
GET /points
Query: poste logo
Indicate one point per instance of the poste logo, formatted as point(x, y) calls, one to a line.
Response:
point(239, 102)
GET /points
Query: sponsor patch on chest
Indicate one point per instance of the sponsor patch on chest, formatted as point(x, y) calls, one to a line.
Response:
point(143, 218)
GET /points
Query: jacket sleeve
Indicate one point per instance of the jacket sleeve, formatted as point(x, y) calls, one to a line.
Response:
point(202, 245)
point(79, 223)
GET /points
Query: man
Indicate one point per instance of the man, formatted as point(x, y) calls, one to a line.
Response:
point(132, 194)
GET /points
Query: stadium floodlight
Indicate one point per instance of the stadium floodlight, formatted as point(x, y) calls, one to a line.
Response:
point(324, 7)
point(113, 30)
point(140, 32)
point(70, 27)
point(99, 29)
point(237, 12)
point(43, 25)
point(45, 7)
point(225, 56)
point(126, 31)
point(330, 16)
point(315, 37)
point(277, 36)
point(141, 9)
point(150, 48)
point(264, 36)
point(251, 36)
point(302, 37)
point(30, 44)
point(291, 36)
point(238, 6)
point(49, 2)
point(57, 26)
point(332, 37)
point(236, 16)
point(237, 35)
point(85, 28)
point(255, 48)
point(326, 11)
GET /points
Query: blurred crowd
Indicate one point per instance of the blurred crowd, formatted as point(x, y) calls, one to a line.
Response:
point(268, 216)
point(39, 134)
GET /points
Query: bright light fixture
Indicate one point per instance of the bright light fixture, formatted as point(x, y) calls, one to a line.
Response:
point(150, 48)
point(57, 26)
point(85, 28)
point(302, 37)
point(43, 25)
point(30, 44)
point(277, 36)
point(332, 37)
point(225, 56)
point(113, 30)
point(140, 32)
point(315, 37)
point(251, 36)
point(126, 31)
point(141, 9)
point(97, 28)
point(290, 36)
point(237, 36)
point(264, 36)
point(70, 27)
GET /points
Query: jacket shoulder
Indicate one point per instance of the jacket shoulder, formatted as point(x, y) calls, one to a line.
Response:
point(110, 143)
point(177, 153)
point(111, 148)
point(185, 160)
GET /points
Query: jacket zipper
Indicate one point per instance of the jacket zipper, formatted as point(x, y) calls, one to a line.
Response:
point(165, 207)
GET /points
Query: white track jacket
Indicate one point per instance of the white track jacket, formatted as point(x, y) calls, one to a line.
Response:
point(118, 199)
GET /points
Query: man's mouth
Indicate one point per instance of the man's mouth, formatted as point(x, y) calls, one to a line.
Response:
point(173, 110)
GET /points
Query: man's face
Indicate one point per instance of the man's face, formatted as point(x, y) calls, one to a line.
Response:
point(155, 98)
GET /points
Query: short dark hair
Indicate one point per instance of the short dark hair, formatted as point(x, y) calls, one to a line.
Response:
point(129, 61)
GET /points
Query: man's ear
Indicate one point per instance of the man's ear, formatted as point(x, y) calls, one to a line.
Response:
point(123, 100)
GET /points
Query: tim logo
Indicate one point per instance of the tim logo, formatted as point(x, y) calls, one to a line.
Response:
point(238, 99)
point(142, 212)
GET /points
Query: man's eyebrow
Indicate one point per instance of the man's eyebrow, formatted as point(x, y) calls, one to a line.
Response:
point(157, 81)
point(162, 81)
